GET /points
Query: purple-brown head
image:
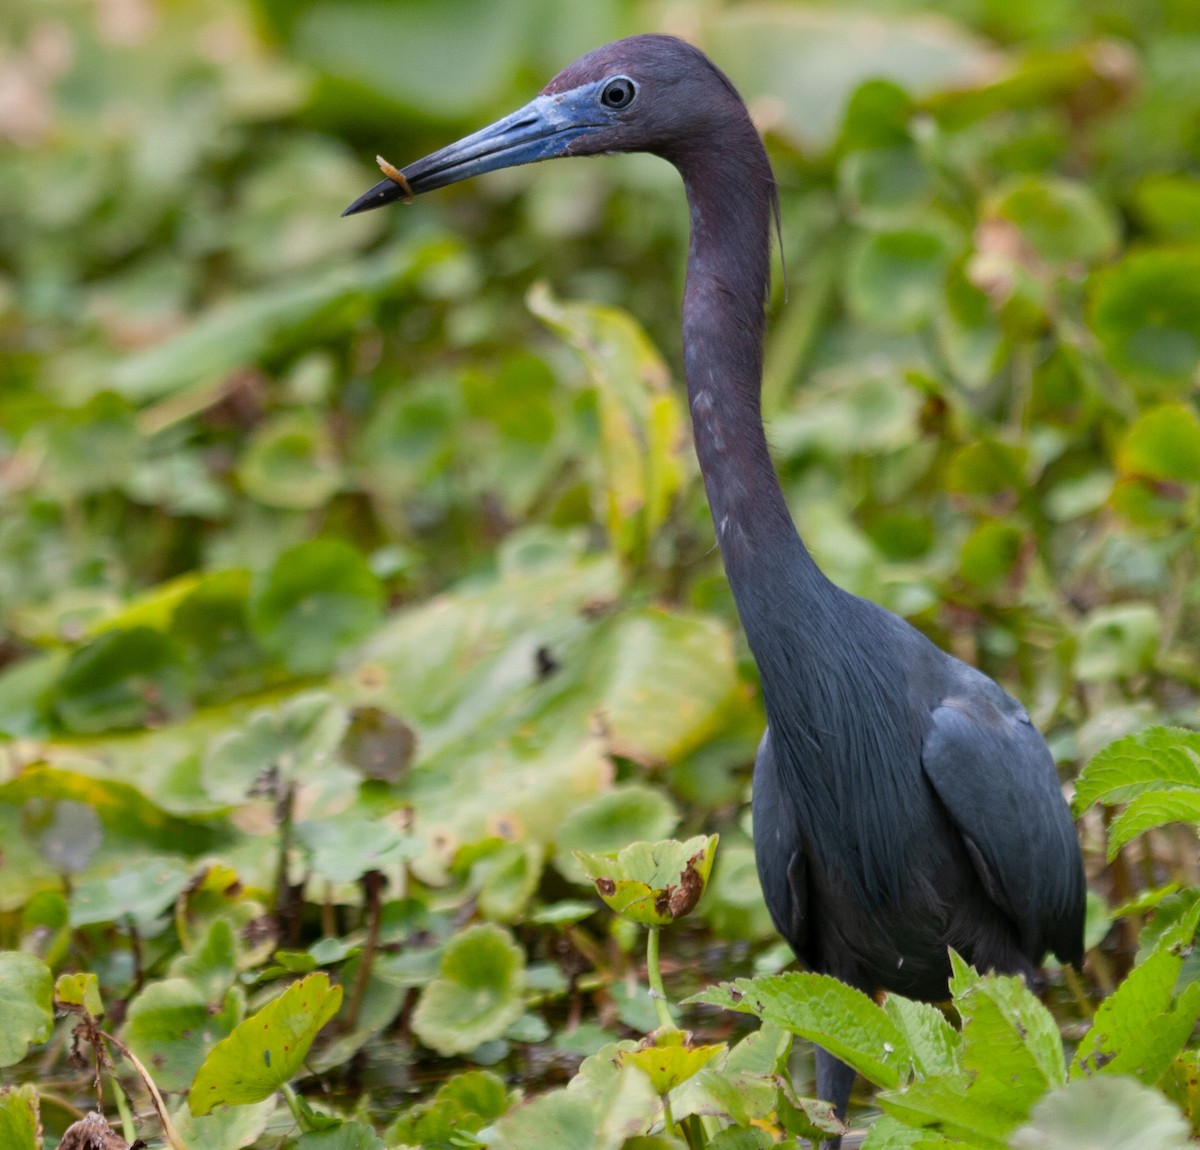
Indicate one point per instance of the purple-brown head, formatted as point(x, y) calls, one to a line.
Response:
point(644, 94)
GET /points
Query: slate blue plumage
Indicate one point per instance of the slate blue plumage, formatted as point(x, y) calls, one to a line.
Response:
point(903, 802)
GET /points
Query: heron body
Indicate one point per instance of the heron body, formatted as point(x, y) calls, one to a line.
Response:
point(903, 802)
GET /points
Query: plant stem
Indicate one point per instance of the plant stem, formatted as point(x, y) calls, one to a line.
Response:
point(372, 883)
point(289, 1096)
point(654, 976)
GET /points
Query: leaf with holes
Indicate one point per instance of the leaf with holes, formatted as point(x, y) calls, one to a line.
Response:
point(652, 883)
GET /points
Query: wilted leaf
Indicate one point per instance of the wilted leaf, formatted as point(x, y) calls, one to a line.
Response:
point(652, 883)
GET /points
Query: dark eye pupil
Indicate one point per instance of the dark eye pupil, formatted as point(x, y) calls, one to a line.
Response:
point(617, 94)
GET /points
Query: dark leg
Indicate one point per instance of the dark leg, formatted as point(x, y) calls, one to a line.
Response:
point(834, 1082)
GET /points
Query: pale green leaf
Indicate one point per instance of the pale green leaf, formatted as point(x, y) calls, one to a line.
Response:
point(26, 1004)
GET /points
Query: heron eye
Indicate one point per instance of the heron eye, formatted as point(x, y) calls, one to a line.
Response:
point(618, 93)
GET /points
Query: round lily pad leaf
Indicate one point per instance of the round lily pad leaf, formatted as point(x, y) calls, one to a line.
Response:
point(319, 598)
point(1163, 444)
point(290, 463)
point(123, 679)
point(141, 890)
point(609, 821)
point(477, 995)
point(894, 280)
point(653, 883)
point(213, 623)
point(296, 740)
point(1061, 220)
point(171, 1029)
point(1146, 313)
point(26, 992)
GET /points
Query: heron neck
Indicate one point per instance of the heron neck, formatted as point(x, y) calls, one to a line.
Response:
point(730, 194)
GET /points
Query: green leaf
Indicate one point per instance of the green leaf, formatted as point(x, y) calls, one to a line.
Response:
point(319, 598)
point(172, 1030)
point(1163, 443)
point(267, 1049)
point(1136, 1030)
point(1153, 809)
point(1146, 313)
point(935, 1045)
point(140, 889)
point(1157, 757)
point(1107, 1111)
point(79, 992)
point(345, 846)
point(1169, 204)
point(609, 821)
point(1062, 221)
point(826, 1011)
point(290, 463)
point(123, 679)
point(26, 1004)
point(1118, 642)
point(463, 1105)
point(298, 740)
point(477, 995)
point(230, 1128)
point(345, 1136)
point(887, 1133)
point(652, 883)
point(894, 280)
point(20, 1118)
point(642, 437)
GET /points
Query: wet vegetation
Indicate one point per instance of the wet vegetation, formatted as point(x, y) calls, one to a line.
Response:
point(363, 641)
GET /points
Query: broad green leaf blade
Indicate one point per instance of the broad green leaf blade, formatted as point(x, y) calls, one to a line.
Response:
point(26, 1004)
point(984, 1122)
point(826, 1011)
point(888, 1133)
point(477, 995)
point(267, 1049)
point(936, 1046)
point(1153, 809)
point(1109, 1112)
point(20, 1118)
point(465, 1104)
point(1157, 757)
point(346, 1136)
point(1135, 1030)
point(231, 1128)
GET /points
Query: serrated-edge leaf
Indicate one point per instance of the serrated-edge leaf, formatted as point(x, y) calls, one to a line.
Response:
point(1157, 757)
point(824, 1010)
point(1153, 809)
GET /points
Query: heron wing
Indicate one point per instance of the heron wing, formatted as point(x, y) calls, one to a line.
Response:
point(995, 776)
point(779, 851)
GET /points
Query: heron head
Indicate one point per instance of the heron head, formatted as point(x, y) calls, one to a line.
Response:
point(643, 94)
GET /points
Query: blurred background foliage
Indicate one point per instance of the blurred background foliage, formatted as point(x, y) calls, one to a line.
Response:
point(339, 548)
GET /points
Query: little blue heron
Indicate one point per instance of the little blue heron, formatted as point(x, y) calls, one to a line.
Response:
point(903, 802)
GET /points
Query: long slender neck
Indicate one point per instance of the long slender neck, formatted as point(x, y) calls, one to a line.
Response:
point(730, 194)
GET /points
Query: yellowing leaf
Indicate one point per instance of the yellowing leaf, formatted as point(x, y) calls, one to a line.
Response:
point(265, 1050)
